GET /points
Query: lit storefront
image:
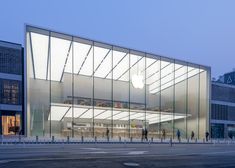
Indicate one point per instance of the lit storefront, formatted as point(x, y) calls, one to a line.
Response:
point(79, 87)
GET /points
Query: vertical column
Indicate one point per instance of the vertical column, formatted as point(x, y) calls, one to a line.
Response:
point(173, 121)
point(72, 86)
point(199, 109)
point(160, 98)
point(129, 95)
point(145, 91)
point(186, 121)
point(93, 91)
point(112, 94)
point(49, 50)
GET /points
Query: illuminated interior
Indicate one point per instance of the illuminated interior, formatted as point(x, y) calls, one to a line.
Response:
point(74, 80)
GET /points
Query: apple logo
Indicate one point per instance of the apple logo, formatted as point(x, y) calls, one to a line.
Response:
point(137, 81)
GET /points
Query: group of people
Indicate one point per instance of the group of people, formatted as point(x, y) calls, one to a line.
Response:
point(178, 134)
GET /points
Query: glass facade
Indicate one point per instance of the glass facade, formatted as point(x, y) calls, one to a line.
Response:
point(79, 87)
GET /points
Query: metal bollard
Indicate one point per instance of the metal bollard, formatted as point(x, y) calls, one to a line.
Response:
point(36, 139)
point(82, 138)
point(19, 138)
point(107, 138)
point(120, 139)
point(131, 139)
point(195, 140)
point(188, 140)
point(95, 138)
point(151, 139)
point(53, 139)
point(67, 139)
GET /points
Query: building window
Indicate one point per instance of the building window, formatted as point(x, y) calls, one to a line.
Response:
point(219, 112)
point(10, 61)
point(10, 92)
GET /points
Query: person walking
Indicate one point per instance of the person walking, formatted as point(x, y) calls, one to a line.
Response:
point(178, 135)
point(164, 134)
point(192, 135)
point(146, 134)
point(107, 133)
point(207, 136)
point(143, 133)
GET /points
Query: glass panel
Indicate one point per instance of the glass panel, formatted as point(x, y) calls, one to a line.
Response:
point(83, 92)
point(193, 100)
point(180, 99)
point(204, 105)
point(137, 95)
point(102, 93)
point(120, 115)
point(153, 96)
point(167, 97)
point(61, 87)
point(38, 90)
point(40, 54)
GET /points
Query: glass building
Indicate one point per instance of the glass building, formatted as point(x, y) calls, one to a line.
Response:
point(80, 87)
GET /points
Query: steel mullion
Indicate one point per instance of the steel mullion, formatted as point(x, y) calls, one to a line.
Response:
point(31, 48)
point(66, 60)
point(65, 113)
point(83, 113)
point(129, 68)
point(101, 62)
point(48, 55)
point(84, 60)
point(116, 65)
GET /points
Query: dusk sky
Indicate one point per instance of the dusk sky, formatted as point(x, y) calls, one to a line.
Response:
point(198, 31)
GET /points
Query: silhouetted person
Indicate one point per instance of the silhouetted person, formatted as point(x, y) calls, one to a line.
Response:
point(107, 133)
point(146, 134)
point(192, 135)
point(143, 134)
point(178, 135)
point(207, 135)
point(163, 134)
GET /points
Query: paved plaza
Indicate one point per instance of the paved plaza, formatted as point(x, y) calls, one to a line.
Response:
point(117, 155)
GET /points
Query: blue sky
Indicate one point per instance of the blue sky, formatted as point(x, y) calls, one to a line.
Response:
point(199, 31)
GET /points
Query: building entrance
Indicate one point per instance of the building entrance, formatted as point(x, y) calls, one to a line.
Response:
point(10, 125)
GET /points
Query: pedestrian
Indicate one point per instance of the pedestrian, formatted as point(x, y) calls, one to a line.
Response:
point(146, 134)
point(178, 135)
point(143, 133)
point(107, 133)
point(192, 135)
point(207, 135)
point(164, 134)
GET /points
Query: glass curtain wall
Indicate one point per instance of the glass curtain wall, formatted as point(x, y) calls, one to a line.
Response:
point(78, 87)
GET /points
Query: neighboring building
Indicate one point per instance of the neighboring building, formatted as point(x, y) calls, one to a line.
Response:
point(11, 89)
point(79, 87)
point(223, 106)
